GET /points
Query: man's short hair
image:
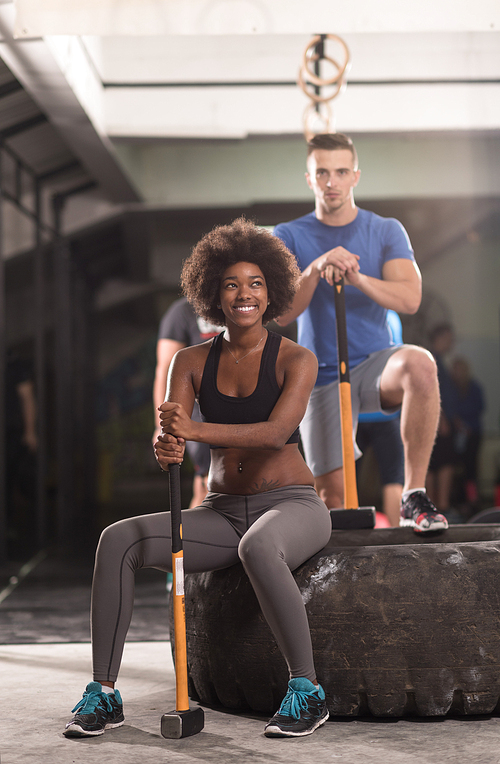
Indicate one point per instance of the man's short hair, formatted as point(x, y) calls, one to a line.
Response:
point(332, 142)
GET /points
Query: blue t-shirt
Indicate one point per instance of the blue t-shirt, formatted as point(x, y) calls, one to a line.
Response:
point(376, 240)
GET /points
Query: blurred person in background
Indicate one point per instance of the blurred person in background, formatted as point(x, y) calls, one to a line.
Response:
point(469, 407)
point(443, 458)
point(20, 461)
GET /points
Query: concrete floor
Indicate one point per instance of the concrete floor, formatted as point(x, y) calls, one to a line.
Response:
point(42, 682)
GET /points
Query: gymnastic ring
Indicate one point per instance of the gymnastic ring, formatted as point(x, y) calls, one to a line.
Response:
point(304, 83)
point(319, 82)
point(312, 77)
point(309, 112)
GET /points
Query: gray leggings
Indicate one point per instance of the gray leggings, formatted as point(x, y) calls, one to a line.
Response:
point(271, 533)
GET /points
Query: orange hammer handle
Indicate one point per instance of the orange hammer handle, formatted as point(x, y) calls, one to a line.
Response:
point(350, 489)
point(180, 650)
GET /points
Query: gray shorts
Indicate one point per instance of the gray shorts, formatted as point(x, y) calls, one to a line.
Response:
point(320, 428)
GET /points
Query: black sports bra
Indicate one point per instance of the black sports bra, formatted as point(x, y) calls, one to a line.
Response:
point(226, 409)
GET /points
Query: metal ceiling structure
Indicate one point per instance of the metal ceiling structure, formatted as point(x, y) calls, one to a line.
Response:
point(39, 173)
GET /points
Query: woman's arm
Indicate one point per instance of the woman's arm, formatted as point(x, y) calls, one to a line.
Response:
point(165, 351)
point(300, 368)
point(168, 448)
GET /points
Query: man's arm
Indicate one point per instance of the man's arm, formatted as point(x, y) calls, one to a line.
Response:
point(165, 351)
point(399, 289)
point(336, 261)
point(308, 282)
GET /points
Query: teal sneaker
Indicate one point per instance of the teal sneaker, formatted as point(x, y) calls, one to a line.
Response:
point(97, 711)
point(302, 711)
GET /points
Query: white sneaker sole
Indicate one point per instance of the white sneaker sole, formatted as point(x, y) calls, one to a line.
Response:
point(440, 525)
point(278, 732)
point(74, 730)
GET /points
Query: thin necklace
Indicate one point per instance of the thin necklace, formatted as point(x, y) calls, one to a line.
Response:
point(237, 360)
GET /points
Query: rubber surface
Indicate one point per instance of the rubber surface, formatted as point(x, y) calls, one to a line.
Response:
point(401, 625)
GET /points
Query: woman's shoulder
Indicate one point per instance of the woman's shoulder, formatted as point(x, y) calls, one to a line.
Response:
point(292, 352)
point(194, 354)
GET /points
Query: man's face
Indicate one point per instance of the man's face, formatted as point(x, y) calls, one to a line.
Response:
point(332, 177)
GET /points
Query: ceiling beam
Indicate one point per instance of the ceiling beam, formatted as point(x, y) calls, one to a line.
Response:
point(35, 67)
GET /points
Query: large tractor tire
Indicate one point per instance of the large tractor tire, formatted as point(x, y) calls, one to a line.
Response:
point(401, 625)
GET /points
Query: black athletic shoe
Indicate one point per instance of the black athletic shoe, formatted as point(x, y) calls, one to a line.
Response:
point(302, 711)
point(97, 711)
point(419, 512)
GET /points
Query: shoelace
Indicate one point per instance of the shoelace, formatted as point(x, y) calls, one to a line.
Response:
point(294, 702)
point(90, 700)
point(427, 505)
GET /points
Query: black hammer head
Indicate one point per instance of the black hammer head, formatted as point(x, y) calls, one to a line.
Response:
point(351, 519)
point(177, 724)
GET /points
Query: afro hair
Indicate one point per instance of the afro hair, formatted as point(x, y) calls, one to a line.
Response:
point(226, 245)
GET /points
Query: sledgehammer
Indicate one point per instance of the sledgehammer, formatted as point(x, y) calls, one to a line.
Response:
point(184, 721)
point(353, 516)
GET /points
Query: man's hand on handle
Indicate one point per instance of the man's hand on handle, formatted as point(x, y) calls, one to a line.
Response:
point(337, 263)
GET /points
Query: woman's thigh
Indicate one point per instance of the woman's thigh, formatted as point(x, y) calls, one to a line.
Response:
point(209, 541)
point(292, 531)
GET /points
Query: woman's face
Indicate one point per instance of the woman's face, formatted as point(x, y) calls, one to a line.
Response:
point(243, 294)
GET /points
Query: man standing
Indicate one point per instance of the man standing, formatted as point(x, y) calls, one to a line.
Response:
point(375, 257)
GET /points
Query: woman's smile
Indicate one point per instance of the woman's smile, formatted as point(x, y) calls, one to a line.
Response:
point(243, 291)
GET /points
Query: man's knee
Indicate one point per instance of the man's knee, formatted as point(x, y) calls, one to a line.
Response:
point(420, 361)
point(412, 367)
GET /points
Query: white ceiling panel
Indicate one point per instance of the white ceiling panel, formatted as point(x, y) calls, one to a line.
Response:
point(160, 17)
point(277, 58)
point(225, 112)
